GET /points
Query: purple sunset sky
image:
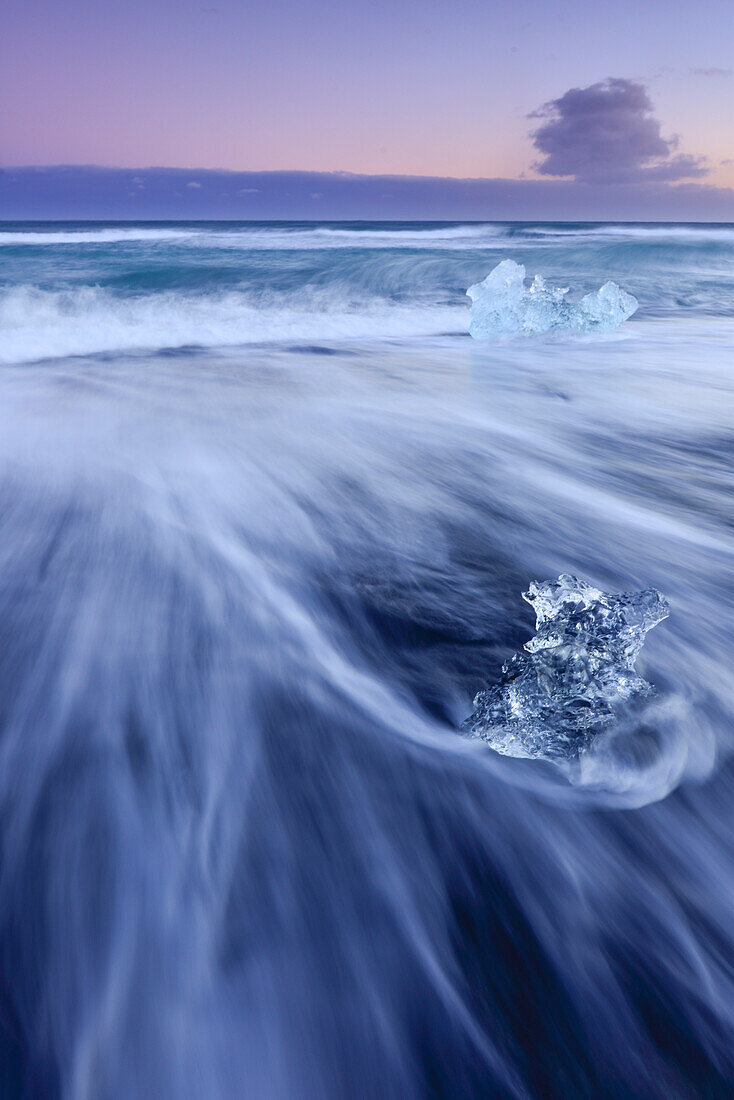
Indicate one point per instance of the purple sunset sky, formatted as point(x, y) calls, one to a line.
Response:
point(401, 87)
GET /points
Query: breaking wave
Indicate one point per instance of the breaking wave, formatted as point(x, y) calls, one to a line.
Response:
point(394, 300)
point(37, 323)
point(682, 234)
point(27, 237)
point(273, 238)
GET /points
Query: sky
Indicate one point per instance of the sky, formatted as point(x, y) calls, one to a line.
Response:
point(474, 88)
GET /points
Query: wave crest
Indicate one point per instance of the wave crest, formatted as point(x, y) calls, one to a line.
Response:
point(43, 324)
point(18, 238)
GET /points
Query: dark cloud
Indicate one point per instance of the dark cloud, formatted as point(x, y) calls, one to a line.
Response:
point(606, 133)
point(78, 192)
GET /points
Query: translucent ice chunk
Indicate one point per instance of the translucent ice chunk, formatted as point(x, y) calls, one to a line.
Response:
point(577, 671)
point(503, 304)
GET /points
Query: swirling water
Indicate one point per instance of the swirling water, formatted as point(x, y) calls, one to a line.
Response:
point(266, 513)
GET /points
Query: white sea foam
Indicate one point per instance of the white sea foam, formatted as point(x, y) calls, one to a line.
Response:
point(680, 234)
point(39, 324)
point(21, 237)
point(319, 237)
point(271, 238)
point(286, 237)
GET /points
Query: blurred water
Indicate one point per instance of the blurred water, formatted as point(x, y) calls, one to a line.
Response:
point(266, 512)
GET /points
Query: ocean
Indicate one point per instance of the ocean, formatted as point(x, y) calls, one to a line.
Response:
point(267, 515)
